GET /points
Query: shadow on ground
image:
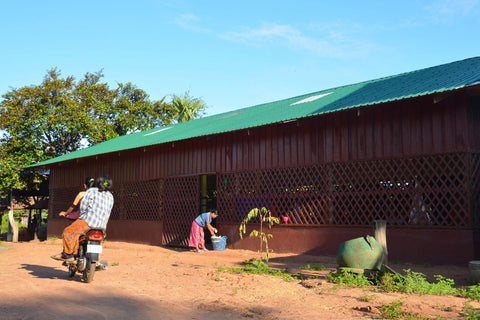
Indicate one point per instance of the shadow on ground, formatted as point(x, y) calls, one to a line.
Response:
point(74, 304)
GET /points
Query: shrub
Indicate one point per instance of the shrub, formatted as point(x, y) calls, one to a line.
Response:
point(259, 267)
point(348, 278)
point(264, 215)
point(318, 267)
point(471, 292)
point(393, 310)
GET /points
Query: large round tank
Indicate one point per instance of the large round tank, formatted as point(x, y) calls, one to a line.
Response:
point(360, 253)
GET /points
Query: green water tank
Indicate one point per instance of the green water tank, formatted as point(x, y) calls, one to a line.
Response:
point(360, 253)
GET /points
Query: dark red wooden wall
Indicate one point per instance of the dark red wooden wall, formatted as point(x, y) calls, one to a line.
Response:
point(444, 127)
point(401, 129)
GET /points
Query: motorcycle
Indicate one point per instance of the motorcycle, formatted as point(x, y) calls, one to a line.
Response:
point(88, 258)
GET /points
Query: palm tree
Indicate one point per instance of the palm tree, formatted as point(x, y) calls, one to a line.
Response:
point(186, 107)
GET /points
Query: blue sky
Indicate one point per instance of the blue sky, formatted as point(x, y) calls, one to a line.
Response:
point(232, 54)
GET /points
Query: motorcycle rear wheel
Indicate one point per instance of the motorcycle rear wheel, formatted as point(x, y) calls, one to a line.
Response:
point(71, 270)
point(89, 271)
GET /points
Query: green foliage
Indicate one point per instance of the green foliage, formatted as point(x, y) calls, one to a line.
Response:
point(23, 233)
point(393, 310)
point(471, 292)
point(258, 267)
point(317, 267)
point(411, 283)
point(16, 214)
point(61, 115)
point(390, 282)
point(415, 282)
point(366, 297)
point(470, 312)
point(4, 225)
point(348, 278)
point(264, 216)
point(187, 108)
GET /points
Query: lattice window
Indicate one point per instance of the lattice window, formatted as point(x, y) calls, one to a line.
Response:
point(431, 190)
point(60, 200)
point(139, 200)
point(475, 185)
point(181, 197)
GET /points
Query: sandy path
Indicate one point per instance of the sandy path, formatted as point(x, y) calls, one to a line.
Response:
point(148, 282)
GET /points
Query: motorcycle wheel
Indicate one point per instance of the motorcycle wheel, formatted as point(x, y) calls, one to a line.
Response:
point(71, 270)
point(89, 271)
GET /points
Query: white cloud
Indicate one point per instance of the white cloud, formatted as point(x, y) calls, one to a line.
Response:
point(442, 9)
point(190, 21)
point(328, 43)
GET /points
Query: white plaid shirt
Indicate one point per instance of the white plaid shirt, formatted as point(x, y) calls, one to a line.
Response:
point(95, 208)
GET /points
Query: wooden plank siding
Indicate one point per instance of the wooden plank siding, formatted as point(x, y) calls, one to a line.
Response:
point(331, 175)
point(474, 121)
point(400, 129)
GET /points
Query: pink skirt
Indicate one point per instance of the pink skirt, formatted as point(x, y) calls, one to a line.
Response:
point(74, 215)
point(197, 236)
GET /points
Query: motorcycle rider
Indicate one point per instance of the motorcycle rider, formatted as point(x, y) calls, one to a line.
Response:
point(73, 212)
point(95, 210)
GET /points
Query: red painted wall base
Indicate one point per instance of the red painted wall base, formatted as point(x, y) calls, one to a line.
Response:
point(431, 246)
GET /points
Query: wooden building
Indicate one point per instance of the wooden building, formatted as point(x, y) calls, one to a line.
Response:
point(405, 149)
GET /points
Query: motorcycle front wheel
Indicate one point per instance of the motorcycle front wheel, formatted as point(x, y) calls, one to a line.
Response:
point(89, 271)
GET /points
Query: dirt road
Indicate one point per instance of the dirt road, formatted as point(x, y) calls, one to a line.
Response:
point(149, 282)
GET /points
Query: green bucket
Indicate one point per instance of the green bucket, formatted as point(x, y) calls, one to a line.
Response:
point(360, 253)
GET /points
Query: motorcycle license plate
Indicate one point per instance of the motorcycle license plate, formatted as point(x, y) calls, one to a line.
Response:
point(94, 248)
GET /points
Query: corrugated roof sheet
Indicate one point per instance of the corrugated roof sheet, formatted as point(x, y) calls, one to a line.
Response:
point(436, 79)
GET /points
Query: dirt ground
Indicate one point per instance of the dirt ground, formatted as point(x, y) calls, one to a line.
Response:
point(151, 282)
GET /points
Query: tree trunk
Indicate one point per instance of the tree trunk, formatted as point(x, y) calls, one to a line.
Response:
point(12, 227)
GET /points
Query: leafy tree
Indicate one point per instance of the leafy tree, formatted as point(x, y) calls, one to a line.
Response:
point(187, 108)
point(61, 115)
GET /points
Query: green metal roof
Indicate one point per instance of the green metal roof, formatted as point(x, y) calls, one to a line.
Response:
point(446, 77)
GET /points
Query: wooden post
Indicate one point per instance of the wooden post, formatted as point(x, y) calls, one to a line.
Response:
point(203, 193)
point(381, 237)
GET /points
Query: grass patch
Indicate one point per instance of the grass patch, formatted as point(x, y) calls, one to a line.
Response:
point(346, 277)
point(411, 283)
point(393, 310)
point(416, 282)
point(258, 267)
point(366, 297)
point(471, 292)
point(470, 312)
